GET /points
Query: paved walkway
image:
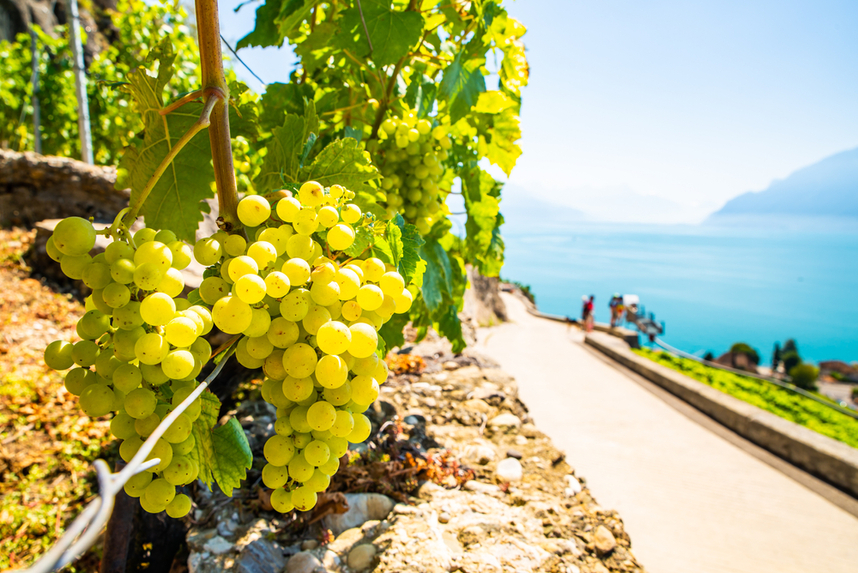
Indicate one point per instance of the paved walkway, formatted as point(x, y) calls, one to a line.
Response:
point(692, 501)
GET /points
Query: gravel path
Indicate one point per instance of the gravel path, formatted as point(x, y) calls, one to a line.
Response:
point(691, 500)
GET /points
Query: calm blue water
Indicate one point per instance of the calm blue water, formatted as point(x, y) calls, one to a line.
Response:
point(712, 287)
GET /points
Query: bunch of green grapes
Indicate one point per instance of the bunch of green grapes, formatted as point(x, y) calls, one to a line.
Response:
point(309, 316)
point(140, 350)
point(410, 154)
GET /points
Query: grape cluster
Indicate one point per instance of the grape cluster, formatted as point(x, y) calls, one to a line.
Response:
point(308, 315)
point(411, 155)
point(140, 350)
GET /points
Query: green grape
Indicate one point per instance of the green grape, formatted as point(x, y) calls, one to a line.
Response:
point(370, 297)
point(299, 360)
point(249, 288)
point(164, 452)
point(356, 408)
point(205, 315)
point(341, 236)
point(235, 245)
point(392, 283)
point(365, 366)
point(172, 284)
point(259, 347)
point(244, 358)
point(331, 371)
point(277, 284)
point(145, 426)
point(157, 309)
point(118, 250)
point(128, 317)
point(263, 252)
point(140, 403)
point(297, 270)
point(299, 247)
point(154, 252)
point(74, 265)
point(306, 223)
point(260, 322)
point(179, 507)
point(348, 282)
point(334, 338)
point(127, 377)
point(96, 400)
point(316, 317)
point(181, 331)
point(318, 482)
point(298, 419)
point(184, 448)
point(124, 343)
point(364, 389)
point(327, 217)
point(297, 389)
point(178, 364)
point(153, 374)
point(212, 289)
point(59, 355)
point(338, 396)
point(53, 252)
point(300, 469)
point(283, 427)
point(325, 294)
point(182, 254)
point(282, 333)
point(179, 430)
point(165, 236)
point(351, 310)
point(364, 340)
point(362, 429)
point(304, 498)
point(338, 446)
point(137, 484)
point(122, 270)
point(288, 208)
point(180, 471)
point(241, 266)
point(201, 349)
point(208, 251)
point(129, 447)
point(116, 295)
point(351, 214)
point(403, 301)
point(144, 236)
point(74, 236)
point(159, 493)
point(281, 500)
point(279, 450)
point(330, 467)
point(93, 324)
point(373, 269)
point(77, 379)
point(151, 348)
point(148, 276)
point(96, 275)
point(232, 315)
point(275, 476)
point(253, 210)
point(192, 411)
point(122, 426)
point(309, 400)
point(343, 425)
point(321, 416)
point(311, 194)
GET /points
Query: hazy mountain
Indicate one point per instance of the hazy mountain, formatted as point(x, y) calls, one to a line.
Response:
point(825, 190)
point(526, 211)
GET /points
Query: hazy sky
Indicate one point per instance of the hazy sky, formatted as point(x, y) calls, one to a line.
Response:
point(691, 102)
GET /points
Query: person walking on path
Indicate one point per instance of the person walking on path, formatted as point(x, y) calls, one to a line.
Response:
point(587, 312)
point(616, 306)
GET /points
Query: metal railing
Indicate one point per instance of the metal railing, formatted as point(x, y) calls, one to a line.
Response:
point(775, 381)
point(87, 526)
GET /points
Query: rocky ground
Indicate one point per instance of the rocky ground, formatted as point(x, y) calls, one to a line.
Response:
point(483, 490)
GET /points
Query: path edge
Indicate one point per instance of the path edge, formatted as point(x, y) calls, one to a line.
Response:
point(824, 457)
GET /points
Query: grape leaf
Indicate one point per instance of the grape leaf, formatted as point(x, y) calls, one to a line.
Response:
point(438, 277)
point(461, 85)
point(392, 330)
point(363, 239)
point(284, 153)
point(393, 33)
point(500, 145)
point(449, 326)
point(343, 162)
point(410, 264)
point(280, 100)
point(274, 19)
point(394, 239)
point(222, 453)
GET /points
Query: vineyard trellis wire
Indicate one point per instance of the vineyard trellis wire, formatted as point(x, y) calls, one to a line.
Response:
point(87, 526)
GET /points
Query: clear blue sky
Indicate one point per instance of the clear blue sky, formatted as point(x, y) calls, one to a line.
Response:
point(690, 102)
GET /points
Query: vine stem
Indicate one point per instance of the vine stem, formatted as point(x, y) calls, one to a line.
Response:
point(211, 59)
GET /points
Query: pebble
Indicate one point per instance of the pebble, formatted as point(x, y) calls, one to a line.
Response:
point(529, 431)
point(362, 508)
point(513, 453)
point(346, 540)
point(450, 365)
point(479, 454)
point(505, 420)
point(309, 544)
point(217, 545)
point(509, 470)
point(303, 562)
point(604, 540)
point(361, 557)
point(480, 487)
point(227, 528)
point(444, 517)
point(573, 486)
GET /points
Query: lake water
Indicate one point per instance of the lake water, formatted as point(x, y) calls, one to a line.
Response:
point(711, 286)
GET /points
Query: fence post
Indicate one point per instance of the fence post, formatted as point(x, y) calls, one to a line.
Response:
point(80, 84)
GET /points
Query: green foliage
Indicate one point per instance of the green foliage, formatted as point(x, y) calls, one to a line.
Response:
point(790, 360)
point(855, 393)
point(788, 405)
point(139, 27)
point(525, 289)
point(431, 58)
point(222, 453)
point(804, 376)
point(742, 348)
